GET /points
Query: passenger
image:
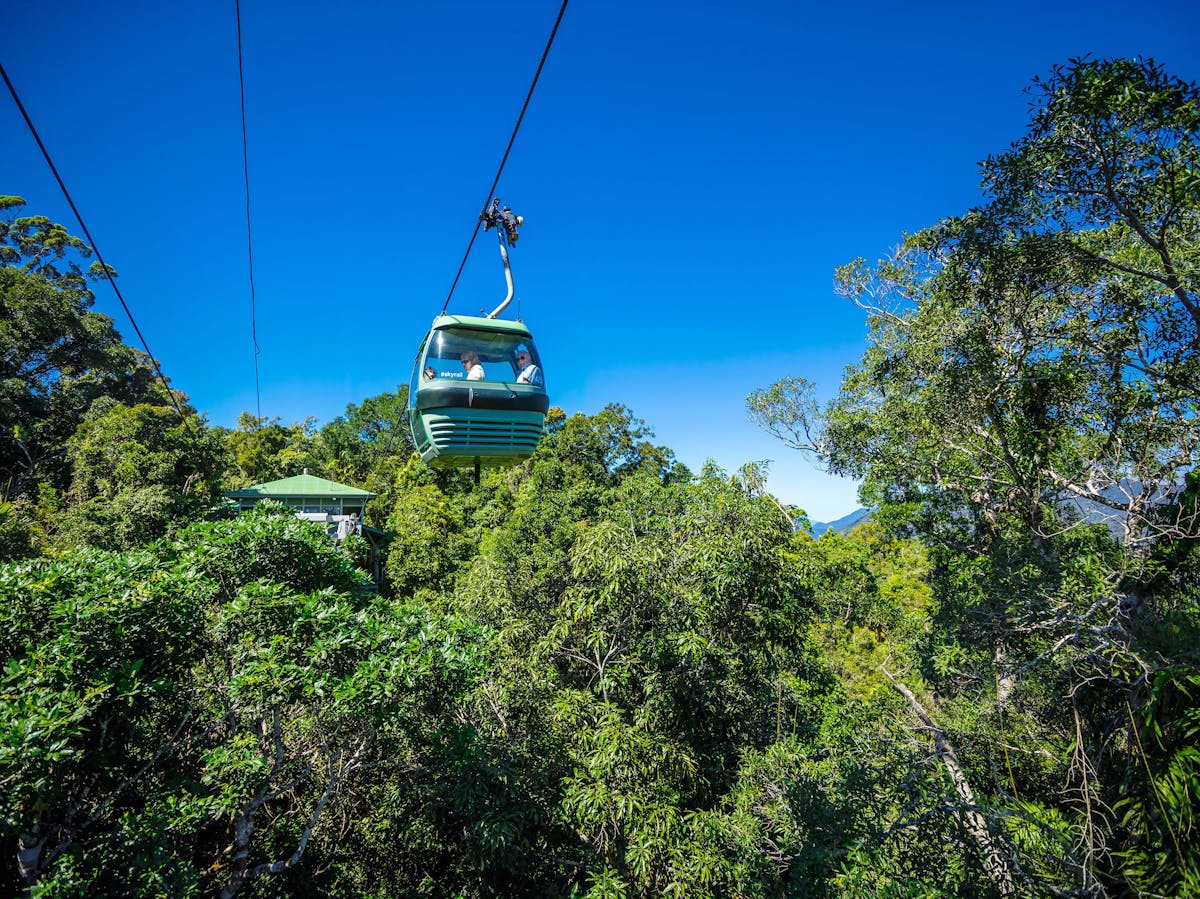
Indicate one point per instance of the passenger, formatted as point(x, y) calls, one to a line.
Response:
point(530, 373)
point(429, 374)
point(470, 362)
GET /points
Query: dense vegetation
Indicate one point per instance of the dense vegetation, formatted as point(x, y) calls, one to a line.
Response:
point(601, 674)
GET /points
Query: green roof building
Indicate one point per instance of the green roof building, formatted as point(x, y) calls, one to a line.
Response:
point(306, 493)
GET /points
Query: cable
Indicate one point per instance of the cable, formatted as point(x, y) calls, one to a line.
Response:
point(511, 140)
point(95, 249)
point(249, 239)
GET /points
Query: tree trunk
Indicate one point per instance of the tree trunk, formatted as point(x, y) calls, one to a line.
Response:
point(29, 857)
point(243, 828)
point(1005, 683)
point(995, 861)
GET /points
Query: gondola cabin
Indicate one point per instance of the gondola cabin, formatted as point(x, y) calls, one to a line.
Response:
point(477, 394)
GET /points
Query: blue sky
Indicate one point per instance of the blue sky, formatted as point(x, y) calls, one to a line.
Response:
point(690, 174)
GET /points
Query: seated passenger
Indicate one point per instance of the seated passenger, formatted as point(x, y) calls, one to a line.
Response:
point(429, 374)
point(529, 373)
point(470, 362)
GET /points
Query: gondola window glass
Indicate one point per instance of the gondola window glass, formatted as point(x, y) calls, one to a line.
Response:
point(497, 353)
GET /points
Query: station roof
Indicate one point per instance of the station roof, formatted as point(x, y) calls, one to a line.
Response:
point(301, 485)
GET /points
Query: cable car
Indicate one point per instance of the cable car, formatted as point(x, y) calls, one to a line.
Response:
point(477, 396)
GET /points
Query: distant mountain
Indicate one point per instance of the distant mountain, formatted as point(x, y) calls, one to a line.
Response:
point(843, 525)
point(1094, 512)
point(1088, 510)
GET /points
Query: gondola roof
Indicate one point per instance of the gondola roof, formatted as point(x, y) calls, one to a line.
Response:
point(480, 323)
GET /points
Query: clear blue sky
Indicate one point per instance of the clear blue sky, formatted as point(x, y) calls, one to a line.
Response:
point(690, 174)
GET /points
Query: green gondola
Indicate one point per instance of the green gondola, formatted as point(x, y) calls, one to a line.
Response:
point(477, 397)
point(489, 409)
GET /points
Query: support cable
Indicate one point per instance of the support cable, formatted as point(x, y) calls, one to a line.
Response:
point(249, 238)
point(95, 249)
point(511, 140)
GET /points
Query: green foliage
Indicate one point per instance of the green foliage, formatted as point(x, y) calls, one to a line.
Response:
point(788, 410)
point(187, 718)
point(35, 244)
point(15, 542)
point(619, 686)
point(63, 368)
point(645, 614)
point(137, 473)
point(264, 450)
point(423, 552)
point(267, 544)
point(1036, 350)
point(56, 358)
point(1031, 364)
point(607, 446)
point(369, 441)
point(98, 647)
point(1159, 818)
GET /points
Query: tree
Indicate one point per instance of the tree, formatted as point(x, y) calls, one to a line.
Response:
point(265, 450)
point(138, 472)
point(198, 716)
point(95, 707)
point(1041, 351)
point(57, 357)
point(425, 548)
point(369, 441)
point(15, 540)
point(608, 445)
point(642, 627)
point(35, 244)
point(1032, 369)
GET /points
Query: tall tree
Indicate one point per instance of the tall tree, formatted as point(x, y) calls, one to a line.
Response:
point(138, 473)
point(265, 450)
point(1041, 350)
point(56, 355)
point(1033, 367)
point(369, 442)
